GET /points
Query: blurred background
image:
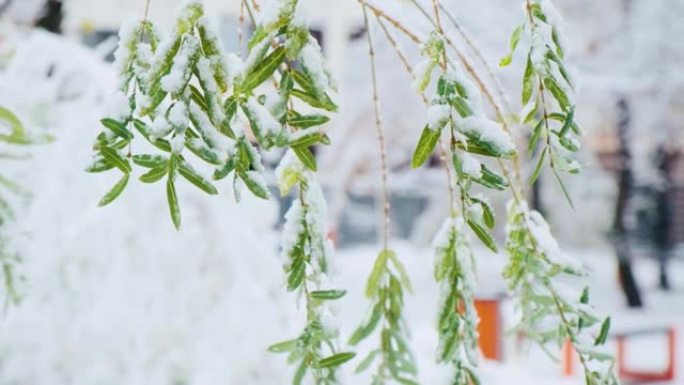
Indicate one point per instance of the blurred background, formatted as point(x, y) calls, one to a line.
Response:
point(115, 296)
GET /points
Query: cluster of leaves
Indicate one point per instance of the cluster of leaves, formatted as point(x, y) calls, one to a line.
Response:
point(306, 251)
point(547, 92)
point(550, 312)
point(386, 286)
point(456, 107)
point(457, 318)
point(12, 132)
point(183, 93)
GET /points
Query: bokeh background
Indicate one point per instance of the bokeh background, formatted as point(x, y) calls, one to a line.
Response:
point(116, 296)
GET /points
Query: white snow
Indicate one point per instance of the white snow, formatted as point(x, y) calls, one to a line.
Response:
point(489, 131)
point(438, 115)
point(178, 115)
point(312, 60)
point(117, 106)
point(471, 166)
point(177, 78)
point(263, 117)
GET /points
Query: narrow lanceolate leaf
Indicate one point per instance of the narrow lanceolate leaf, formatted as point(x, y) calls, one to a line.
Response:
point(307, 140)
point(603, 334)
point(115, 191)
point(263, 70)
point(378, 269)
point(568, 122)
point(283, 347)
point(306, 121)
point(174, 208)
point(254, 186)
point(118, 128)
point(538, 167)
point(328, 294)
point(99, 165)
point(335, 360)
point(534, 138)
point(155, 174)
point(426, 145)
point(114, 158)
point(515, 39)
point(306, 157)
point(363, 331)
point(187, 172)
point(528, 81)
point(149, 161)
point(558, 93)
point(366, 362)
point(484, 236)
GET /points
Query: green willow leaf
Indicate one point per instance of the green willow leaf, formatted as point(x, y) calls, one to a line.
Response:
point(379, 267)
point(328, 294)
point(187, 172)
point(484, 236)
point(115, 192)
point(284, 346)
point(515, 39)
point(263, 70)
point(253, 186)
point(538, 167)
point(335, 360)
point(558, 93)
point(149, 161)
point(528, 81)
point(534, 138)
point(306, 157)
point(306, 121)
point(114, 158)
point(172, 198)
point(426, 145)
point(155, 174)
point(117, 128)
point(603, 334)
point(363, 331)
point(307, 140)
point(367, 361)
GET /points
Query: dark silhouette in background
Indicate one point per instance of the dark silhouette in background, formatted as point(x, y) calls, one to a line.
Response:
point(51, 17)
point(625, 190)
point(666, 159)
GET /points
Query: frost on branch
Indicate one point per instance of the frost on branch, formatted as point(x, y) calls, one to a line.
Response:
point(550, 312)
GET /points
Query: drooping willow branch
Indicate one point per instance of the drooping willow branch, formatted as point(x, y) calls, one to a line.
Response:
point(388, 280)
point(15, 135)
point(191, 103)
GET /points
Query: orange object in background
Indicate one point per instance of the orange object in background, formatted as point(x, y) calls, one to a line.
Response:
point(626, 373)
point(490, 328)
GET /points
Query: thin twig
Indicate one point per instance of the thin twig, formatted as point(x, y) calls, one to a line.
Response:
point(381, 14)
point(478, 54)
point(381, 134)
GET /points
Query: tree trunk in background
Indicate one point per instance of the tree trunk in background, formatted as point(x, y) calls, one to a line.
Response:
point(51, 17)
point(662, 236)
point(625, 184)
